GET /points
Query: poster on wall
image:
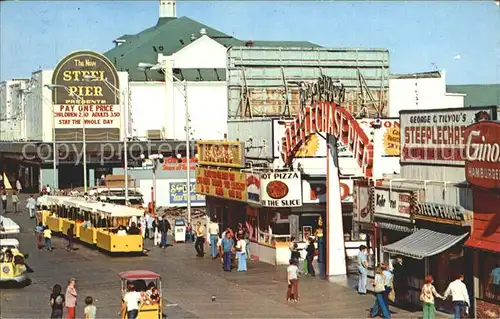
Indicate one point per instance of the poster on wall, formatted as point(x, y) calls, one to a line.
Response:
point(85, 91)
point(253, 188)
point(314, 191)
point(390, 134)
point(392, 203)
point(438, 137)
point(281, 189)
point(362, 206)
point(178, 194)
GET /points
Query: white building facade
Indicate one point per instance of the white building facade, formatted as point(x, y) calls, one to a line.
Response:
point(421, 91)
point(12, 117)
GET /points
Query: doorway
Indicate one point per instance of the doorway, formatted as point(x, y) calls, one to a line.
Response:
point(70, 176)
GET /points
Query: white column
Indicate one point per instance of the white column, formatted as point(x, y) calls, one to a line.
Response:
point(169, 96)
point(335, 247)
point(378, 147)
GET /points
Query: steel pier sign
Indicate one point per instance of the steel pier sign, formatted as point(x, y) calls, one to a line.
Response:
point(87, 83)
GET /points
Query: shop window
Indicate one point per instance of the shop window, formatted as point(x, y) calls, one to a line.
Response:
point(252, 223)
point(272, 228)
point(489, 276)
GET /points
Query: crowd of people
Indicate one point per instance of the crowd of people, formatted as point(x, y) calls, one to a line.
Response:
point(59, 302)
point(227, 246)
point(390, 284)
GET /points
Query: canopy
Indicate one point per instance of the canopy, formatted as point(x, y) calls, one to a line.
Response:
point(120, 210)
point(112, 210)
point(8, 226)
point(9, 242)
point(138, 274)
point(423, 243)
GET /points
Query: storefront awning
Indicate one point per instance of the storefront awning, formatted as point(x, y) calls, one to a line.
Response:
point(396, 227)
point(482, 244)
point(423, 243)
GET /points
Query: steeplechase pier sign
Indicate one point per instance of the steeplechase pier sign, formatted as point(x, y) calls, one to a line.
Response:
point(329, 118)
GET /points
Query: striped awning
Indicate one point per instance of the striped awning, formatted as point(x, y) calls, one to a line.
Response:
point(423, 243)
point(396, 227)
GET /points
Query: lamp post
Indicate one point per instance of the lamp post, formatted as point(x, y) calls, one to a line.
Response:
point(84, 146)
point(148, 66)
point(155, 159)
point(125, 119)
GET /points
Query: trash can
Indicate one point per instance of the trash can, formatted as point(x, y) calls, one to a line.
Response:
point(179, 231)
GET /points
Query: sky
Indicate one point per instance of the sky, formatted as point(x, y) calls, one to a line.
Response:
point(460, 37)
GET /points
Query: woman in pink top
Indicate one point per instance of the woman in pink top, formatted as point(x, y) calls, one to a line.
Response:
point(71, 295)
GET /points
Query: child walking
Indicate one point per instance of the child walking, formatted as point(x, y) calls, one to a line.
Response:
point(292, 293)
point(47, 235)
point(90, 310)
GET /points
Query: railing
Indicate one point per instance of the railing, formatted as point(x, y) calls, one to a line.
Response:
point(270, 239)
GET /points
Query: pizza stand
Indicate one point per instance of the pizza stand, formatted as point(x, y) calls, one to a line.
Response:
point(280, 192)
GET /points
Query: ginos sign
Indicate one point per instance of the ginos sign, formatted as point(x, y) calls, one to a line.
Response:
point(482, 151)
point(329, 118)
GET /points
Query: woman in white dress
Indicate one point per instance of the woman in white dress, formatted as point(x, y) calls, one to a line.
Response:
point(142, 222)
point(157, 233)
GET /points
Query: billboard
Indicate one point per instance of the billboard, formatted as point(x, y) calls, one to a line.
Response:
point(221, 183)
point(395, 203)
point(177, 192)
point(437, 137)
point(221, 153)
point(482, 150)
point(281, 189)
point(87, 88)
point(389, 137)
point(277, 82)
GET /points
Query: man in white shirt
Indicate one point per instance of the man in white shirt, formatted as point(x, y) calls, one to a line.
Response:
point(133, 302)
point(47, 189)
point(213, 232)
point(459, 295)
point(31, 206)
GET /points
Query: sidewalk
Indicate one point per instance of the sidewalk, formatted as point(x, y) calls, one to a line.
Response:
point(188, 284)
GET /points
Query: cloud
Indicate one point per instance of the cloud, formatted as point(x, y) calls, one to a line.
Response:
point(457, 57)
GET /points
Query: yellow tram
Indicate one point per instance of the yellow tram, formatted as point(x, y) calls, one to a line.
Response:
point(97, 224)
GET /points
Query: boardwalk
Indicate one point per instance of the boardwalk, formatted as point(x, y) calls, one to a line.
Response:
point(188, 284)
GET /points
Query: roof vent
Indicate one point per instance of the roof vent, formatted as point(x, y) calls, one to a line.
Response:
point(193, 37)
point(249, 44)
point(119, 42)
point(203, 31)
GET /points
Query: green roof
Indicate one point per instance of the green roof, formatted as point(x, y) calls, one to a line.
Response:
point(478, 94)
point(168, 36)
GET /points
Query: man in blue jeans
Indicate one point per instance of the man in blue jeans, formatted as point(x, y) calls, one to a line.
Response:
point(362, 269)
point(459, 295)
point(213, 231)
point(227, 248)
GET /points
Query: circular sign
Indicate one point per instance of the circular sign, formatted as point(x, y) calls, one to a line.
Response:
point(6, 270)
point(277, 189)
